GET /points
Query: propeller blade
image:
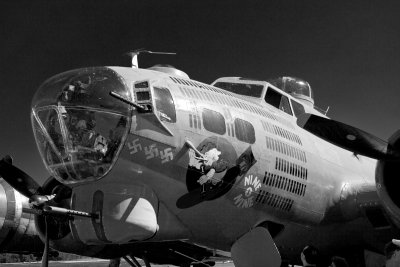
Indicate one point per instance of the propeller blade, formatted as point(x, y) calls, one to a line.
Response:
point(257, 249)
point(45, 257)
point(348, 137)
point(18, 179)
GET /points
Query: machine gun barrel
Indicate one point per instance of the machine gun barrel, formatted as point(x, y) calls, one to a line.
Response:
point(57, 211)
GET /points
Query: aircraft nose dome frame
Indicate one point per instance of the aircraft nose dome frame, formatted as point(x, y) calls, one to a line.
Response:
point(79, 128)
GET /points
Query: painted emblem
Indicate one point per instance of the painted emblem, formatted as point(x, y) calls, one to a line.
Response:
point(207, 165)
point(209, 169)
point(213, 168)
point(251, 185)
point(151, 151)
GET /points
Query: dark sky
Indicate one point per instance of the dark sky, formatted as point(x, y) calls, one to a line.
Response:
point(349, 51)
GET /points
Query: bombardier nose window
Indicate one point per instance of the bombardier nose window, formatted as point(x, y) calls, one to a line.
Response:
point(79, 134)
point(79, 143)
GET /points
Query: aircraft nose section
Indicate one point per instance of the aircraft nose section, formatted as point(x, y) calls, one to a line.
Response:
point(86, 88)
point(79, 128)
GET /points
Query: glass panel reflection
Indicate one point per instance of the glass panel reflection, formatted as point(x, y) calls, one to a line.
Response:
point(76, 143)
point(79, 128)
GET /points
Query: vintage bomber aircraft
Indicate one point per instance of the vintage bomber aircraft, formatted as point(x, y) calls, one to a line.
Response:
point(148, 163)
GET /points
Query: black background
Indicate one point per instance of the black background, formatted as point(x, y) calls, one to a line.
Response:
point(349, 51)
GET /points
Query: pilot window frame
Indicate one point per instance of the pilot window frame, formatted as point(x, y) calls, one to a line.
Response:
point(241, 88)
point(278, 100)
point(213, 121)
point(244, 131)
point(298, 108)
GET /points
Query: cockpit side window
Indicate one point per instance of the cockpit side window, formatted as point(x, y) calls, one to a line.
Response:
point(298, 108)
point(164, 104)
point(248, 89)
point(214, 121)
point(285, 106)
point(278, 100)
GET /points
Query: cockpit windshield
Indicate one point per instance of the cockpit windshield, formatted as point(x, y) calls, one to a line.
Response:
point(248, 89)
point(79, 128)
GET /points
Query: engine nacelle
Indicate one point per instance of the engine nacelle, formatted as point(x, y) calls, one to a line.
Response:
point(126, 213)
point(388, 182)
point(17, 228)
point(59, 230)
point(63, 235)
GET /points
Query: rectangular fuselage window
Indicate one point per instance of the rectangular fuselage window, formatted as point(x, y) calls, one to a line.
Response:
point(278, 100)
point(244, 131)
point(214, 121)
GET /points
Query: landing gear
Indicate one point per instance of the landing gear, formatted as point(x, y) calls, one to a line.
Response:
point(146, 261)
point(132, 261)
point(198, 264)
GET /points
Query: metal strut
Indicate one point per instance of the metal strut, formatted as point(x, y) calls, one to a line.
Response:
point(190, 258)
point(146, 261)
point(133, 263)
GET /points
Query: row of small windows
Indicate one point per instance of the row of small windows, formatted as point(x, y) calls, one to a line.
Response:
point(281, 182)
point(291, 168)
point(190, 92)
point(286, 149)
point(273, 129)
point(214, 121)
point(274, 201)
point(194, 121)
point(203, 95)
point(228, 102)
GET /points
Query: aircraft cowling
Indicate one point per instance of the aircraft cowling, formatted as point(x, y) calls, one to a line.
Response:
point(71, 236)
point(59, 230)
point(387, 177)
point(126, 213)
point(58, 227)
point(17, 228)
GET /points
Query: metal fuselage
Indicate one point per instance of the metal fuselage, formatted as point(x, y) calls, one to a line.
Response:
point(297, 181)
